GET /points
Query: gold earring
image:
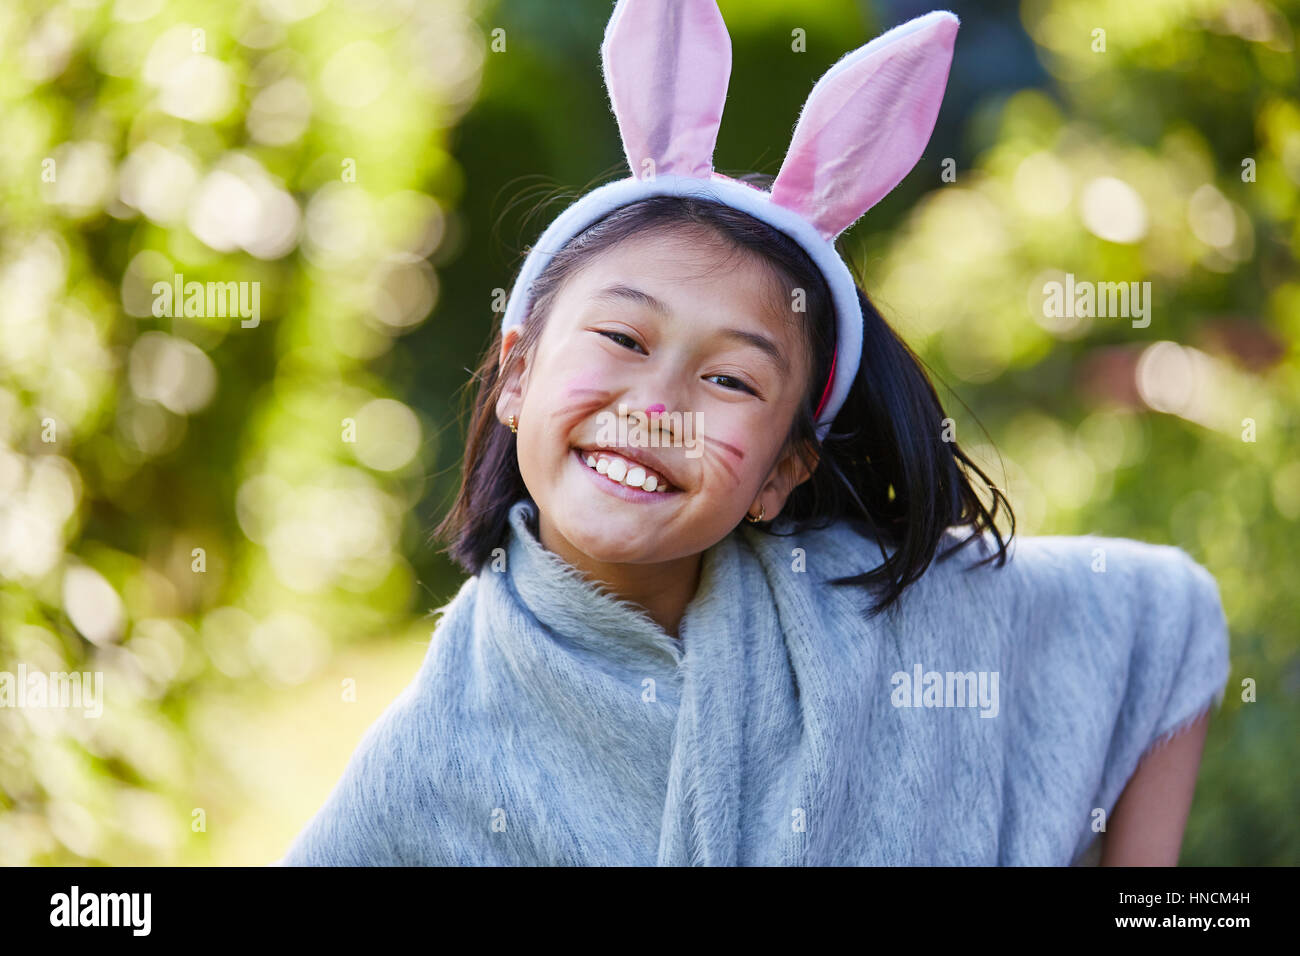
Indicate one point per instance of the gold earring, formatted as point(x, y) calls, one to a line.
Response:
point(762, 510)
point(513, 422)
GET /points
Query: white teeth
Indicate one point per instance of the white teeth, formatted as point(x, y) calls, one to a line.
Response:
point(634, 476)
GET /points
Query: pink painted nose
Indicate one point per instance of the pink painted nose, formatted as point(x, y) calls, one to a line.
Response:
point(657, 407)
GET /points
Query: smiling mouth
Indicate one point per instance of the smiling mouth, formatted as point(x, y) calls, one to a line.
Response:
point(624, 471)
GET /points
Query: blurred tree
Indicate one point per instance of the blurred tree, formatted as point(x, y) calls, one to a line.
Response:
point(196, 503)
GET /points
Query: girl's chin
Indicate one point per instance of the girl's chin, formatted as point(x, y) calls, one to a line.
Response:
point(613, 545)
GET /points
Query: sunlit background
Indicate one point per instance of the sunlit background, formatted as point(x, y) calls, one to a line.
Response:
point(229, 515)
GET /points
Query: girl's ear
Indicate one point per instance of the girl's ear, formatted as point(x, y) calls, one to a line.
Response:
point(798, 465)
point(507, 343)
point(791, 470)
point(866, 123)
point(667, 64)
point(513, 365)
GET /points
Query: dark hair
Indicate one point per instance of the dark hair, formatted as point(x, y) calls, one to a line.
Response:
point(885, 466)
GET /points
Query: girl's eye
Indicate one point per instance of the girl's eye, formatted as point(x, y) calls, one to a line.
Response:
point(624, 340)
point(737, 383)
point(726, 381)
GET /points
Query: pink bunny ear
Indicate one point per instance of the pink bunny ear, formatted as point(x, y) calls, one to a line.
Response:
point(666, 64)
point(866, 123)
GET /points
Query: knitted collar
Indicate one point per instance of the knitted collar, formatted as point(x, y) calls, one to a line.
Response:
point(584, 612)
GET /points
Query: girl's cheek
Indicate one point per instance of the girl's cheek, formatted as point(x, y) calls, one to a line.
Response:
point(584, 383)
point(726, 447)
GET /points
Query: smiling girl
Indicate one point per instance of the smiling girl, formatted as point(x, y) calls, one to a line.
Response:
point(801, 639)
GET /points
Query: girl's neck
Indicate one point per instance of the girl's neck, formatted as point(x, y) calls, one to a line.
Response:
point(663, 590)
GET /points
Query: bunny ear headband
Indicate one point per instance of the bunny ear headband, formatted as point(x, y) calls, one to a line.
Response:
point(862, 129)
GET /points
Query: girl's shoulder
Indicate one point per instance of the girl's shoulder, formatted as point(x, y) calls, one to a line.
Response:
point(1048, 571)
point(452, 616)
point(962, 548)
point(1114, 568)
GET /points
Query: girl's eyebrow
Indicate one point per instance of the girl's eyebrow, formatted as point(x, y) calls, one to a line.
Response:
point(618, 291)
point(626, 292)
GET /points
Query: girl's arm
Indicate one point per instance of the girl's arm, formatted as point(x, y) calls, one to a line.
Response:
point(1146, 826)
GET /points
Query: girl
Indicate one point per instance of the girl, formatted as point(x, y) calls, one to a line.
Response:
point(734, 599)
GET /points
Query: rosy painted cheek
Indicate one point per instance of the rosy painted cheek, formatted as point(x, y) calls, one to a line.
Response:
point(584, 383)
point(592, 380)
point(727, 450)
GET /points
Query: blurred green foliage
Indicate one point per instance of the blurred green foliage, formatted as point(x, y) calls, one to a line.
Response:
point(230, 520)
point(207, 508)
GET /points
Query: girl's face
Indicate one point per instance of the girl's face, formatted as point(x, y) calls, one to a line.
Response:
point(665, 319)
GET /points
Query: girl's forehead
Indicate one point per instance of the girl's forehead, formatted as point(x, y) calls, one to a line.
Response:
point(687, 275)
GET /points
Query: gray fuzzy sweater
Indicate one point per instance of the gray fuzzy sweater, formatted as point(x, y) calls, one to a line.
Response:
point(992, 717)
